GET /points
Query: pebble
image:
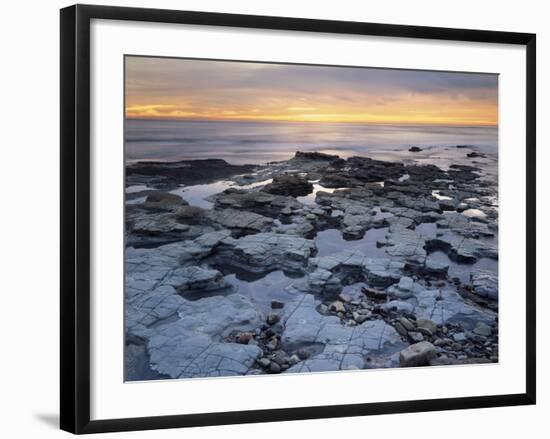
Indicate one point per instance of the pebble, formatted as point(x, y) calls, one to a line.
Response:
point(274, 367)
point(360, 318)
point(456, 346)
point(483, 329)
point(294, 359)
point(281, 358)
point(428, 324)
point(344, 297)
point(244, 338)
point(415, 336)
point(272, 344)
point(264, 362)
point(337, 307)
point(407, 324)
point(400, 329)
point(303, 353)
point(459, 337)
point(272, 319)
point(425, 331)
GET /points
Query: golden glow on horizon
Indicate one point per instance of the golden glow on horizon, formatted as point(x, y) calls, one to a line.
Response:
point(435, 114)
point(210, 90)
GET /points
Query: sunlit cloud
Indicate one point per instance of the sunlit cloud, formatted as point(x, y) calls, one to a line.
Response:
point(196, 89)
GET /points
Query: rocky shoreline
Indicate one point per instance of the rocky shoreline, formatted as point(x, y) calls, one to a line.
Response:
point(317, 263)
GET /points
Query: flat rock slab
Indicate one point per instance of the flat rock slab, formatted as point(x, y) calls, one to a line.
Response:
point(192, 346)
point(268, 252)
point(327, 272)
point(339, 346)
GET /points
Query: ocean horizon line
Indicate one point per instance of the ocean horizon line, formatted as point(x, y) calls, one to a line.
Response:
point(404, 124)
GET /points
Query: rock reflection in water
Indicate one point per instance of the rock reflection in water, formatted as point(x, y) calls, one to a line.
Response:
point(330, 241)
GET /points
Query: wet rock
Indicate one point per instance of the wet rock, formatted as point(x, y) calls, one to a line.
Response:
point(267, 252)
point(190, 279)
point(360, 318)
point(463, 249)
point(244, 337)
point(162, 225)
point(406, 244)
point(446, 305)
point(418, 354)
point(294, 359)
point(190, 346)
point(246, 222)
point(281, 358)
point(483, 329)
point(258, 202)
point(415, 149)
point(189, 214)
point(169, 175)
point(405, 283)
point(272, 319)
point(353, 232)
point(425, 331)
point(315, 156)
point(289, 185)
point(427, 324)
point(405, 289)
point(264, 362)
point(398, 306)
point(415, 336)
point(337, 307)
point(304, 353)
point(459, 337)
point(435, 268)
point(277, 304)
point(163, 200)
point(400, 329)
point(445, 205)
point(485, 284)
point(338, 346)
point(475, 154)
point(351, 264)
point(374, 293)
point(407, 324)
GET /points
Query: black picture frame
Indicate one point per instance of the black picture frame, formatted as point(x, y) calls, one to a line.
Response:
point(75, 217)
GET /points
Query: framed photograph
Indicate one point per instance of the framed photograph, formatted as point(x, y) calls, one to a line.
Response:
point(268, 218)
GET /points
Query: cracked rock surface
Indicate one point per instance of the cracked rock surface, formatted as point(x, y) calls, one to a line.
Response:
point(316, 263)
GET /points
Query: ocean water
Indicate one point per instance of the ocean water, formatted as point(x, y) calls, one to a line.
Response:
point(262, 142)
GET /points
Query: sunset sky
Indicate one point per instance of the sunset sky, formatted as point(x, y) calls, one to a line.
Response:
point(166, 88)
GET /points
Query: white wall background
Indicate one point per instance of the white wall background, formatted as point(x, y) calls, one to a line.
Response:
point(29, 249)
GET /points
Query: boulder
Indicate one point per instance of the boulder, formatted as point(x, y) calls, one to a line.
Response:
point(289, 185)
point(164, 200)
point(418, 354)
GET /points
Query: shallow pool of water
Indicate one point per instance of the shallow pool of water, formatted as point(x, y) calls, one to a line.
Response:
point(462, 271)
point(195, 195)
point(331, 241)
point(261, 289)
